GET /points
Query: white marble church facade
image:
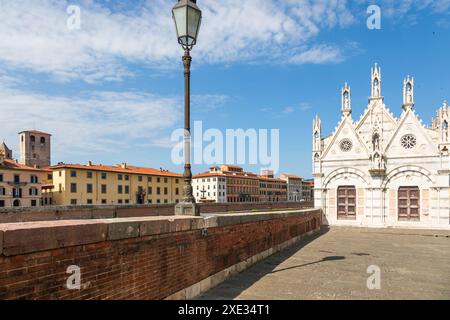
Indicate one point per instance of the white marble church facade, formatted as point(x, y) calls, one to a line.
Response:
point(383, 171)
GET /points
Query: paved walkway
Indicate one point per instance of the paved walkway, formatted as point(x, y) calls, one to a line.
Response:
point(414, 265)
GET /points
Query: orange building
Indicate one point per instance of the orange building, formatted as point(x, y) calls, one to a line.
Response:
point(232, 184)
point(272, 189)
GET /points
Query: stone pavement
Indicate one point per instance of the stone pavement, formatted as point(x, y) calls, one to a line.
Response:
point(414, 264)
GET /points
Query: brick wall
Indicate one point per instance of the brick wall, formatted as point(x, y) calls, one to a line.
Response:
point(136, 258)
point(103, 212)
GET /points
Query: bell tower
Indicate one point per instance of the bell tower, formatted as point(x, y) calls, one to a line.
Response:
point(346, 103)
point(408, 93)
point(317, 144)
point(35, 148)
point(376, 82)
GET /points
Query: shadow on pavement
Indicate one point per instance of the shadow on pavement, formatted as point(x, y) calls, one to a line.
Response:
point(235, 285)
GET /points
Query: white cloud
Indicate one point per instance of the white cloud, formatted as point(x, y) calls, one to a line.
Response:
point(318, 55)
point(92, 124)
point(35, 35)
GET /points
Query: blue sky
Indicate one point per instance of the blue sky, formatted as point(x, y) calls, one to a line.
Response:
point(112, 91)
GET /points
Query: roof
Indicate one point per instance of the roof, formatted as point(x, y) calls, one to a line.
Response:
point(291, 176)
point(35, 132)
point(208, 175)
point(119, 169)
point(231, 174)
point(14, 165)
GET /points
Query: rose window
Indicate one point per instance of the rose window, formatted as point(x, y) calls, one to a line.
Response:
point(346, 145)
point(409, 141)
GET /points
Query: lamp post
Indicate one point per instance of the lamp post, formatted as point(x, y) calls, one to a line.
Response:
point(187, 17)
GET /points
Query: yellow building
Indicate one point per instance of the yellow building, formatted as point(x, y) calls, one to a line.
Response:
point(20, 185)
point(114, 185)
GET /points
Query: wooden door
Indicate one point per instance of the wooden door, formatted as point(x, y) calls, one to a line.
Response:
point(409, 204)
point(346, 203)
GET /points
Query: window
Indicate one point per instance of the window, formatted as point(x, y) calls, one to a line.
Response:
point(89, 175)
point(33, 203)
point(2, 191)
point(49, 176)
point(158, 190)
point(1, 177)
point(150, 201)
point(33, 139)
point(89, 201)
point(140, 178)
point(158, 180)
point(120, 189)
point(166, 191)
point(409, 141)
point(60, 187)
point(165, 180)
point(346, 145)
point(73, 174)
point(103, 201)
point(89, 188)
point(127, 177)
point(158, 201)
point(60, 173)
point(2, 203)
point(73, 188)
point(177, 181)
point(33, 192)
point(149, 179)
point(177, 191)
point(127, 189)
point(16, 203)
point(73, 202)
point(120, 177)
point(127, 201)
point(33, 179)
point(150, 190)
point(120, 201)
point(42, 140)
point(104, 188)
point(16, 178)
point(166, 201)
point(103, 175)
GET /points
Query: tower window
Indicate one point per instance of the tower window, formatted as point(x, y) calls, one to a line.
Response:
point(32, 139)
point(42, 140)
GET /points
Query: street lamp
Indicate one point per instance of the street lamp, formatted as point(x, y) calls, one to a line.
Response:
point(187, 17)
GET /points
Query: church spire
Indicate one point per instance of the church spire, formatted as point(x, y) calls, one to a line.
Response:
point(376, 81)
point(346, 103)
point(408, 93)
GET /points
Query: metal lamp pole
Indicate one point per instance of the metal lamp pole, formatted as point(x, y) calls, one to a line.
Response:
point(187, 17)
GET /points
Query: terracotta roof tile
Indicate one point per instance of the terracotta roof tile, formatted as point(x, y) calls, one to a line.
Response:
point(118, 169)
point(13, 165)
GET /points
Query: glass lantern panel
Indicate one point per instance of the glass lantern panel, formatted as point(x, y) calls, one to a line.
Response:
point(179, 15)
point(193, 22)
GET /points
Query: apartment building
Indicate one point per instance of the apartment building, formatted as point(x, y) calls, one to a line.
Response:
point(91, 184)
point(210, 186)
point(308, 190)
point(232, 184)
point(294, 187)
point(272, 189)
point(20, 185)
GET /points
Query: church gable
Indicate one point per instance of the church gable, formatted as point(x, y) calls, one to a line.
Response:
point(376, 115)
point(345, 144)
point(410, 138)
